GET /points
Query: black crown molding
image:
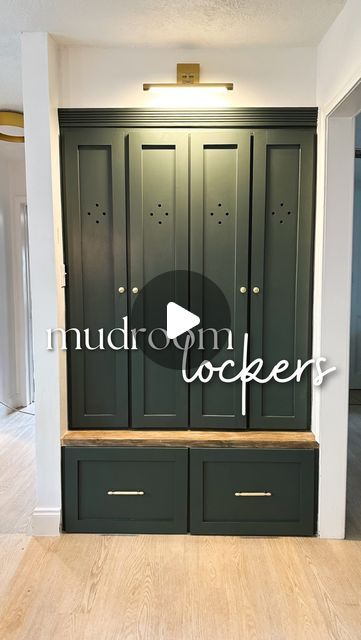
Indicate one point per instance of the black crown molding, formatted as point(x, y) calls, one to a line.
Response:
point(253, 117)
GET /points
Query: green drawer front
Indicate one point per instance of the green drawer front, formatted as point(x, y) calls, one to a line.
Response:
point(159, 476)
point(216, 476)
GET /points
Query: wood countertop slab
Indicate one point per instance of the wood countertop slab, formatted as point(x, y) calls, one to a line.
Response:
point(180, 438)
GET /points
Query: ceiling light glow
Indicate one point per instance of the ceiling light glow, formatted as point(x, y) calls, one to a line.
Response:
point(188, 78)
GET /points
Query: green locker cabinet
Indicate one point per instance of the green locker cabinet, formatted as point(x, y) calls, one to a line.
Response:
point(281, 268)
point(220, 192)
point(234, 205)
point(158, 180)
point(95, 256)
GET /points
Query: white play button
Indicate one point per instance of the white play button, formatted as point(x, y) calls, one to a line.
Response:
point(179, 320)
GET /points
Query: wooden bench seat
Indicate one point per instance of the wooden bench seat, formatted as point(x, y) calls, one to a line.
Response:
point(217, 439)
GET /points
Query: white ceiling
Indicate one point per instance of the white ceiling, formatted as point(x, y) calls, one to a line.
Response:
point(10, 72)
point(168, 23)
point(173, 22)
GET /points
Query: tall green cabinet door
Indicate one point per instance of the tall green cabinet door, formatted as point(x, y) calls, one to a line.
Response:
point(281, 274)
point(220, 194)
point(158, 178)
point(95, 250)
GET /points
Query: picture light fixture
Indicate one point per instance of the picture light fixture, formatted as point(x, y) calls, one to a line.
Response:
point(188, 75)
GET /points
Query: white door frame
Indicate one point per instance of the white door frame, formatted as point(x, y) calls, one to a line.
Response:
point(27, 310)
point(22, 304)
point(332, 302)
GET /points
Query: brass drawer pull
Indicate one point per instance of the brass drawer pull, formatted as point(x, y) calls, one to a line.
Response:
point(125, 493)
point(252, 494)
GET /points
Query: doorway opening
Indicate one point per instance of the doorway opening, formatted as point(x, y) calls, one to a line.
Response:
point(353, 511)
point(332, 302)
point(17, 420)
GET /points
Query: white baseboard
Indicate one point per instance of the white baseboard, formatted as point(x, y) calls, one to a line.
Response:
point(46, 521)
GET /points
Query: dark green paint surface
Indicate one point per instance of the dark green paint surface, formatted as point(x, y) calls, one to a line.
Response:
point(264, 181)
point(158, 170)
point(227, 118)
point(96, 262)
point(89, 473)
point(216, 475)
point(220, 175)
point(281, 266)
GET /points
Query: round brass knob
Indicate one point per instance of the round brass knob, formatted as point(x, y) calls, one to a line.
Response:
point(135, 290)
point(255, 289)
point(121, 289)
point(243, 289)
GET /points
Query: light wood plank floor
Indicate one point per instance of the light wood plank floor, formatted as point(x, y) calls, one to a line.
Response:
point(184, 588)
point(17, 471)
point(91, 587)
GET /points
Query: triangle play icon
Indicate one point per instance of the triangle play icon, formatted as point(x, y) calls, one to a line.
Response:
point(179, 320)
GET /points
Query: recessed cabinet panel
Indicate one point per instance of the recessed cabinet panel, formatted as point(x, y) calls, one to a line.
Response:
point(282, 228)
point(280, 272)
point(158, 172)
point(96, 264)
point(252, 492)
point(159, 251)
point(125, 490)
point(97, 221)
point(220, 167)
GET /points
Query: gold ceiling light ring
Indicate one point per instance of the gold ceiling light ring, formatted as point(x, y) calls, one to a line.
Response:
point(11, 119)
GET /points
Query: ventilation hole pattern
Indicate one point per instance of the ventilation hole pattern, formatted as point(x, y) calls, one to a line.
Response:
point(279, 211)
point(91, 212)
point(222, 213)
point(159, 212)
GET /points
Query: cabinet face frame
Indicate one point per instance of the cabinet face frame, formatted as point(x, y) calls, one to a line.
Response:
point(219, 219)
point(232, 491)
point(125, 121)
point(98, 483)
point(209, 491)
point(158, 243)
point(95, 152)
point(282, 214)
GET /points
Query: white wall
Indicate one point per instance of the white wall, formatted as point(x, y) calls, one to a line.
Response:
point(40, 92)
point(93, 77)
point(339, 56)
point(6, 344)
point(12, 186)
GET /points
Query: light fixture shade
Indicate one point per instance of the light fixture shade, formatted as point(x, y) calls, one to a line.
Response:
point(11, 119)
point(188, 75)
